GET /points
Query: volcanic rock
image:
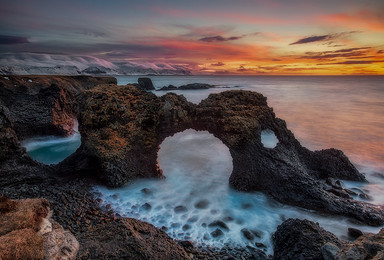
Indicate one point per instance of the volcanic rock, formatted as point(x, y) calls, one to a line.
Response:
point(43, 105)
point(303, 239)
point(122, 128)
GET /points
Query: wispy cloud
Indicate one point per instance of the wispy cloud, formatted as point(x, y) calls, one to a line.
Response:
point(218, 64)
point(322, 38)
point(219, 38)
point(342, 53)
point(10, 40)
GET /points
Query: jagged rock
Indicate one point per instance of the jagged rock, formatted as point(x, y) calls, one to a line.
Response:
point(145, 84)
point(367, 246)
point(43, 105)
point(122, 128)
point(301, 239)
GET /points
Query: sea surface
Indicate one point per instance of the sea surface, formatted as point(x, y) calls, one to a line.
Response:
point(344, 112)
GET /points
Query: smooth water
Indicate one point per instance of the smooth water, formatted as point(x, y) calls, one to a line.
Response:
point(344, 112)
point(52, 149)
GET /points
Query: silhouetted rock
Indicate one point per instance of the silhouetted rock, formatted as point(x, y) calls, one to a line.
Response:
point(145, 84)
point(354, 233)
point(192, 86)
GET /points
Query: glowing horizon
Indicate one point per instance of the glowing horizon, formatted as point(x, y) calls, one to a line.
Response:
point(255, 37)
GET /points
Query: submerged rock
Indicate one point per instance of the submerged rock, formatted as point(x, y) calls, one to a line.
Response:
point(122, 128)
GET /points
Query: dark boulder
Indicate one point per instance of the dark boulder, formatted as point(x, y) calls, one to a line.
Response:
point(192, 86)
point(145, 84)
point(301, 239)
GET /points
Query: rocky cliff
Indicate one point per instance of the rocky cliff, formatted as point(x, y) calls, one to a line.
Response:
point(40, 105)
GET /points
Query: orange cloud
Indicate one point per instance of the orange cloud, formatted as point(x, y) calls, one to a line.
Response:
point(363, 19)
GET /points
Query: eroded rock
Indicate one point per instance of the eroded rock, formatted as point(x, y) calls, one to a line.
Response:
point(122, 128)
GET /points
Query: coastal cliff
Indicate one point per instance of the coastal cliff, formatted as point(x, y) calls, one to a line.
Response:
point(41, 105)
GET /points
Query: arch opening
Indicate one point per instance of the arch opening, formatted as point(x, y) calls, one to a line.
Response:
point(52, 149)
point(269, 139)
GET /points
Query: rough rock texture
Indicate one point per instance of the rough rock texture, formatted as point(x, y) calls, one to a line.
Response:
point(303, 239)
point(26, 232)
point(122, 128)
point(145, 84)
point(130, 239)
point(41, 105)
point(15, 165)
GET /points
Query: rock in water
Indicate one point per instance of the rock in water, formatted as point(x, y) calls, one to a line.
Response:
point(145, 84)
point(122, 128)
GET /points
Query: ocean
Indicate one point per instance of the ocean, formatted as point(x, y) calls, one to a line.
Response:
point(343, 112)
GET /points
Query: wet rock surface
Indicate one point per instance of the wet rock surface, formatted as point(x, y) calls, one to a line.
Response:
point(303, 239)
point(122, 128)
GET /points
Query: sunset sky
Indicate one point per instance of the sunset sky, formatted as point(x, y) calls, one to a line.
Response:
point(205, 37)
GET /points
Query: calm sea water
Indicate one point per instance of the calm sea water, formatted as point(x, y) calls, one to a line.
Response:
point(341, 112)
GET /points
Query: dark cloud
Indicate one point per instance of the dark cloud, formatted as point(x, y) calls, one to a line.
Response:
point(242, 69)
point(219, 38)
point(380, 51)
point(342, 53)
point(218, 64)
point(10, 40)
point(322, 38)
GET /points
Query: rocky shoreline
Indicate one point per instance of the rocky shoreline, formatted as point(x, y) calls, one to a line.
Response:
point(122, 127)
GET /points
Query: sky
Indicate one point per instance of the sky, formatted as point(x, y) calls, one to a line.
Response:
point(276, 37)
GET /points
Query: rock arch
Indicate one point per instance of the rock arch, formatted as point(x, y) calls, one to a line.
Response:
point(122, 128)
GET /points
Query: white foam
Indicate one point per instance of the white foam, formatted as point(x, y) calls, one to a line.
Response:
point(269, 139)
point(197, 167)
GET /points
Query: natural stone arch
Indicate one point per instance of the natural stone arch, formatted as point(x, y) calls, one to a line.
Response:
point(122, 128)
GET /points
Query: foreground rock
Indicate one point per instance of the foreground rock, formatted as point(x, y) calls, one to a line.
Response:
point(122, 128)
point(41, 105)
point(303, 239)
point(192, 86)
point(28, 232)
